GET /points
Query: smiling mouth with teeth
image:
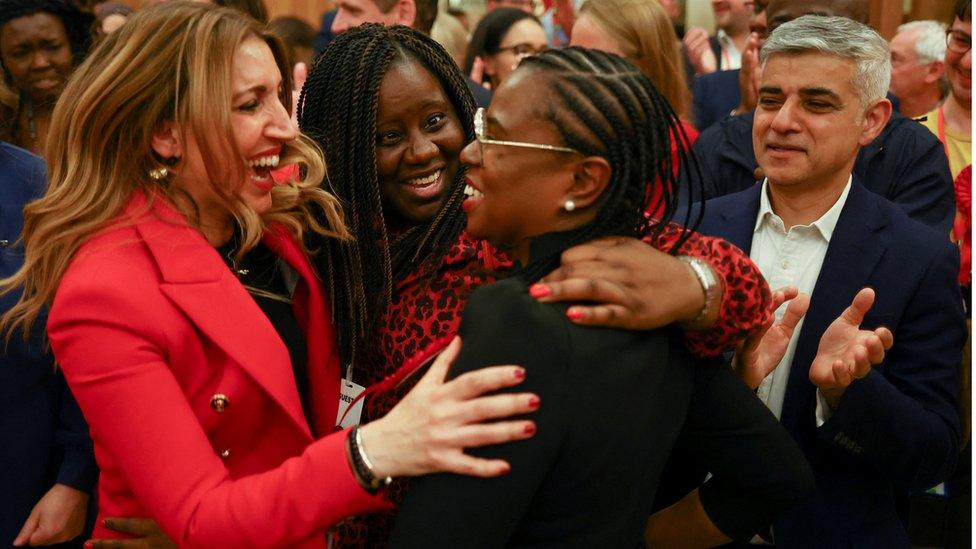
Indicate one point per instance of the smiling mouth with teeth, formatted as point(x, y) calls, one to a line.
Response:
point(425, 181)
point(262, 166)
point(472, 192)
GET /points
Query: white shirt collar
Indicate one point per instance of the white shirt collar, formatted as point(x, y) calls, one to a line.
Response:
point(826, 224)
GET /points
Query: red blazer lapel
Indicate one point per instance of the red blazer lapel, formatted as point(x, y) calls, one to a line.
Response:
point(196, 279)
point(315, 317)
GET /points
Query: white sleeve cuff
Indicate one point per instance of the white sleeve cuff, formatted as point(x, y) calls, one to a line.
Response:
point(823, 410)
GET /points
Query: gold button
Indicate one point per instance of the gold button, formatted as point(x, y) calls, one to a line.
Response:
point(225, 454)
point(219, 402)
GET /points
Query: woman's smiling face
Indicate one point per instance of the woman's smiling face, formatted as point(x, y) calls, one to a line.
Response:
point(418, 141)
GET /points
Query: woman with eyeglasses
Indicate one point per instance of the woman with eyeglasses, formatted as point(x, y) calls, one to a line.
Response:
point(503, 37)
point(616, 402)
point(392, 113)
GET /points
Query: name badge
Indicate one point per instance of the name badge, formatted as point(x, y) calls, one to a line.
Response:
point(349, 396)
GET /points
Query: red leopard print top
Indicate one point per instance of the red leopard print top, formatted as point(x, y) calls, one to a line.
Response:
point(426, 311)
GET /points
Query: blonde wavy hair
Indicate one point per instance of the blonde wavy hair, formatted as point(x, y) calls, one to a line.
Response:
point(169, 63)
point(645, 35)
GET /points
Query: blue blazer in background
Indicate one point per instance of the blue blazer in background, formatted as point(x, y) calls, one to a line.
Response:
point(897, 429)
point(44, 436)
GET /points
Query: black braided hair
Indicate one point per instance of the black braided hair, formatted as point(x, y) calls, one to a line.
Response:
point(338, 109)
point(603, 105)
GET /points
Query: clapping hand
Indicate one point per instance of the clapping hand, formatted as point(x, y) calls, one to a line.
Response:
point(700, 51)
point(847, 352)
point(762, 351)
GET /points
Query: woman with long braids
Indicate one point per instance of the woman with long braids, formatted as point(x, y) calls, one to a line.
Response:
point(616, 401)
point(185, 313)
point(392, 113)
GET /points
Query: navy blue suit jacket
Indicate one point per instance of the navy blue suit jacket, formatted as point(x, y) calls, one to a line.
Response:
point(45, 438)
point(898, 428)
point(714, 96)
point(905, 164)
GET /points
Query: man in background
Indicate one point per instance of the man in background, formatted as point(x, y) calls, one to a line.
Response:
point(917, 66)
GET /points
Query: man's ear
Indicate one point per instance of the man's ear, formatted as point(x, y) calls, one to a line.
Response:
point(166, 141)
point(934, 71)
point(876, 117)
point(406, 12)
point(590, 178)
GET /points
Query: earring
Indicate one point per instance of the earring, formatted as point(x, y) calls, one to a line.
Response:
point(158, 173)
point(569, 205)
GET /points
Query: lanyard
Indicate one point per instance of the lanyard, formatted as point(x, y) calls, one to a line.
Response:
point(940, 127)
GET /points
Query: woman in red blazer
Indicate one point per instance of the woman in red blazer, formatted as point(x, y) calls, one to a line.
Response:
point(184, 310)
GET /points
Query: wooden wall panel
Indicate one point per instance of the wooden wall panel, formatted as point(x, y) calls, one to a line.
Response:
point(886, 15)
point(309, 10)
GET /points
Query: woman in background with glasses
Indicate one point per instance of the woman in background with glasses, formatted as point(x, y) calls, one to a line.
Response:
point(503, 37)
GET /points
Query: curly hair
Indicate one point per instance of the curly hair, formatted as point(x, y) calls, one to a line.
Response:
point(338, 109)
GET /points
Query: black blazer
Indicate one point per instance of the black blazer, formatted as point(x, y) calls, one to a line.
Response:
point(614, 403)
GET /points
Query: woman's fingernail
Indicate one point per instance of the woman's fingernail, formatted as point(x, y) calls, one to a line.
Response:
point(88, 544)
point(539, 291)
point(520, 373)
point(529, 429)
point(574, 314)
point(534, 402)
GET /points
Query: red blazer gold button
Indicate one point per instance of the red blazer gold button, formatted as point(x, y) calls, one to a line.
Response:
point(219, 402)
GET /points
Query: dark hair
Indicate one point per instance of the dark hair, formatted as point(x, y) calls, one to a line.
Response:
point(602, 105)
point(426, 13)
point(254, 8)
point(77, 23)
point(963, 10)
point(295, 32)
point(490, 32)
point(338, 109)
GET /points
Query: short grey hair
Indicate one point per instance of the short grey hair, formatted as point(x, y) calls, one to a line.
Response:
point(841, 37)
point(930, 40)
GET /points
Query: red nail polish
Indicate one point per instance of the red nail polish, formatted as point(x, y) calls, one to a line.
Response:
point(529, 429)
point(539, 291)
point(520, 373)
point(534, 402)
point(88, 544)
point(574, 314)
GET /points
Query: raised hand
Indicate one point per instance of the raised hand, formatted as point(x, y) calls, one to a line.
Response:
point(699, 51)
point(763, 350)
point(429, 429)
point(749, 75)
point(847, 352)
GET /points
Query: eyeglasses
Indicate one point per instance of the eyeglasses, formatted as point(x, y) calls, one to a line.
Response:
point(523, 50)
point(480, 132)
point(958, 41)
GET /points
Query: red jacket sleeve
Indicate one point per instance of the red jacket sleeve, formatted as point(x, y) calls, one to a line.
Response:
point(746, 300)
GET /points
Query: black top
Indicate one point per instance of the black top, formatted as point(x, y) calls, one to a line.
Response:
point(614, 404)
point(261, 273)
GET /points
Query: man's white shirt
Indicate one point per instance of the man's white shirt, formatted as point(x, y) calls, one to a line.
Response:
point(791, 258)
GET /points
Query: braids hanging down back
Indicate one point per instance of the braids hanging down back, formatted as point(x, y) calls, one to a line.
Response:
point(338, 109)
point(604, 106)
